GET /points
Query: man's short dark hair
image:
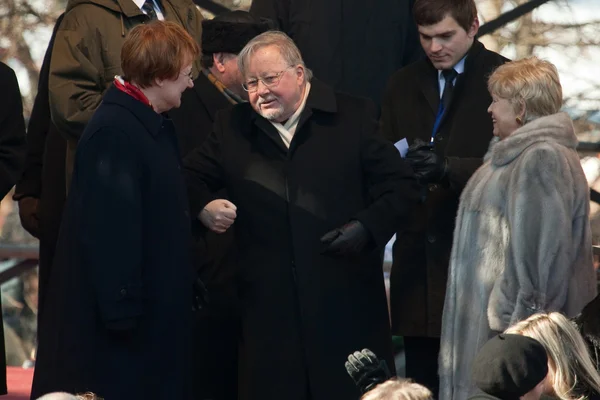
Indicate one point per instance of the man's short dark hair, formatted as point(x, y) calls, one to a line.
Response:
point(229, 31)
point(430, 12)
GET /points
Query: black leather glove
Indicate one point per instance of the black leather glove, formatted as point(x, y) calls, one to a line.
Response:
point(428, 166)
point(28, 214)
point(366, 370)
point(350, 239)
point(201, 298)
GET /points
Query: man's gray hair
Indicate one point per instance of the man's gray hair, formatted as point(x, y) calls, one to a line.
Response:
point(287, 48)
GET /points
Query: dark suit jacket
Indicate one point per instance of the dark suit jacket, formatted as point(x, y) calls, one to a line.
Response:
point(352, 45)
point(12, 156)
point(44, 174)
point(422, 250)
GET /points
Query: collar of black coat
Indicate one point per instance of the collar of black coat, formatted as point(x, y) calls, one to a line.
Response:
point(151, 120)
point(320, 98)
point(428, 76)
point(209, 95)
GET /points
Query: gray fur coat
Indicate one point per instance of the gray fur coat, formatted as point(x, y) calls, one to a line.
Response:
point(522, 244)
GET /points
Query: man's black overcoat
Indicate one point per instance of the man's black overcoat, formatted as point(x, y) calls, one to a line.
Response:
point(303, 312)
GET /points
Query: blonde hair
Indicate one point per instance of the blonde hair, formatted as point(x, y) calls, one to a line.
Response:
point(287, 48)
point(398, 389)
point(530, 83)
point(569, 363)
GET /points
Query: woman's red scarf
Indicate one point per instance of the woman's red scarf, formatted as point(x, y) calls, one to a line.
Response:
point(131, 90)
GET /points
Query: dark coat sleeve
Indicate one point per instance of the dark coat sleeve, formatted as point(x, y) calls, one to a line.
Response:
point(12, 131)
point(107, 184)
point(30, 184)
point(203, 172)
point(278, 11)
point(387, 128)
point(392, 187)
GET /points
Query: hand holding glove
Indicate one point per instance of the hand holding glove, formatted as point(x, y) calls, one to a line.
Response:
point(428, 166)
point(366, 370)
point(350, 239)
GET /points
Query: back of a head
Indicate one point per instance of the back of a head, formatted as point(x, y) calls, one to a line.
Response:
point(509, 366)
point(398, 389)
point(430, 12)
point(58, 396)
point(571, 363)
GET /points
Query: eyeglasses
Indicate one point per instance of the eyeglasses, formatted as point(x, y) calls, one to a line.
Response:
point(189, 75)
point(272, 80)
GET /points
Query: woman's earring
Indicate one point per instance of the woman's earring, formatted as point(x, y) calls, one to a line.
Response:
point(519, 121)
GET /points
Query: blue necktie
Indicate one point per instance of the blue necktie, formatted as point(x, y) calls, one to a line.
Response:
point(449, 77)
point(148, 9)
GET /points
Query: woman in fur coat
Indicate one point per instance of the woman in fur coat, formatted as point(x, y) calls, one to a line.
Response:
point(522, 242)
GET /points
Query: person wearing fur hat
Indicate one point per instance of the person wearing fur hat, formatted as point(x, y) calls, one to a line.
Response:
point(510, 367)
point(522, 242)
point(218, 86)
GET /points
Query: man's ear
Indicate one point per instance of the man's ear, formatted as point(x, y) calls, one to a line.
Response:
point(219, 61)
point(474, 28)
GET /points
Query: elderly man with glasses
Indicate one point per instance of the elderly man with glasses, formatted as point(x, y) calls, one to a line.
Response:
point(314, 195)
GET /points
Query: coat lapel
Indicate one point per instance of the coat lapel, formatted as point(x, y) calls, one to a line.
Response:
point(271, 132)
point(428, 83)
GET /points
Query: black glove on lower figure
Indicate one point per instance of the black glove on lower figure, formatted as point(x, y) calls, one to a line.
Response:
point(351, 239)
point(428, 166)
point(366, 370)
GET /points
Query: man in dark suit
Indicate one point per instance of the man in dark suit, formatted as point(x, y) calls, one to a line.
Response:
point(218, 86)
point(44, 174)
point(440, 106)
point(12, 158)
point(352, 45)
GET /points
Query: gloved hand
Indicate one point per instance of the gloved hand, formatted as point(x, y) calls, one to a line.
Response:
point(28, 214)
point(366, 370)
point(428, 166)
point(201, 298)
point(350, 239)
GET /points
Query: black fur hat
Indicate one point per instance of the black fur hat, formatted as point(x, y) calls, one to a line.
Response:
point(231, 31)
point(508, 366)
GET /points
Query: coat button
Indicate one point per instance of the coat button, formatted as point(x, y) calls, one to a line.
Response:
point(431, 238)
point(433, 188)
point(123, 292)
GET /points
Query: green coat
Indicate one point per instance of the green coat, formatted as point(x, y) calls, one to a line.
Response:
point(87, 56)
